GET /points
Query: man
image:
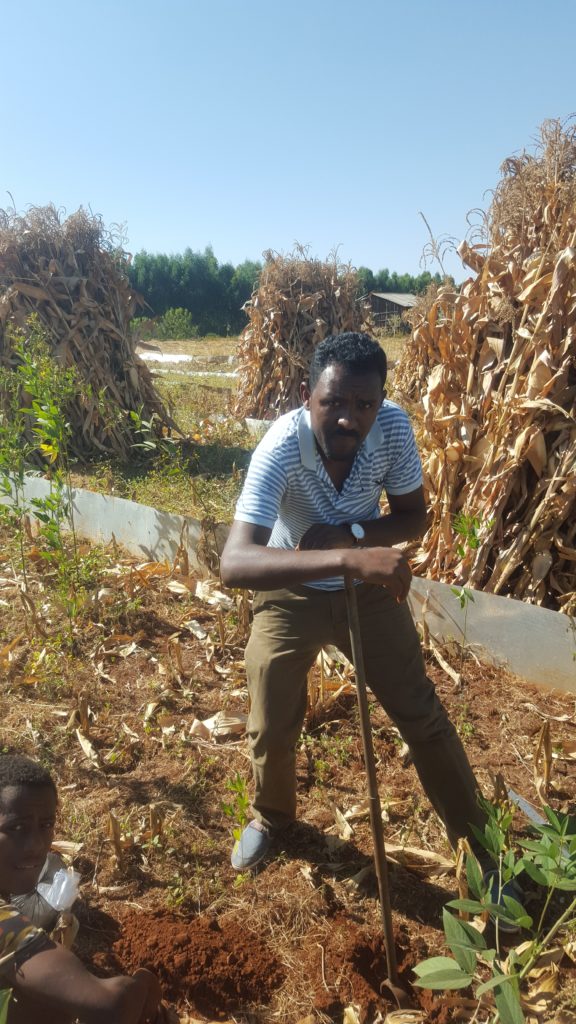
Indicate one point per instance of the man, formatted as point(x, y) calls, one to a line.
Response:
point(308, 516)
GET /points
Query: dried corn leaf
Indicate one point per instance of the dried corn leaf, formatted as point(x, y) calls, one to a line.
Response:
point(88, 748)
point(181, 587)
point(6, 655)
point(207, 591)
point(196, 629)
point(543, 762)
point(222, 725)
point(351, 1015)
point(66, 847)
point(151, 709)
point(199, 729)
point(491, 370)
point(426, 862)
point(345, 830)
point(406, 1017)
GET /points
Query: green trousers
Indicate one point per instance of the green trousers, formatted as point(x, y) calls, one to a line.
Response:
point(289, 629)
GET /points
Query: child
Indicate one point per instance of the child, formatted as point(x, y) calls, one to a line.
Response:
point(48, 982)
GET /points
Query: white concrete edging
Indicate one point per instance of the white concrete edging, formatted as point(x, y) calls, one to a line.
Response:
point(142, 530)
point(536, 644)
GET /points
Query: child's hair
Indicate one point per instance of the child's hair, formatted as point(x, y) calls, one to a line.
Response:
point(18, 770)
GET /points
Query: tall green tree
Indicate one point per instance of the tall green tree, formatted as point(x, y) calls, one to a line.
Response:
point(367, 281)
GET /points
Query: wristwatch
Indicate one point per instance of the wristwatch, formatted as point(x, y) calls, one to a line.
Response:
point(358, 533)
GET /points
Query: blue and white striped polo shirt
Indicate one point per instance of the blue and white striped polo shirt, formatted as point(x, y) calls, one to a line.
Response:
point(288, 489)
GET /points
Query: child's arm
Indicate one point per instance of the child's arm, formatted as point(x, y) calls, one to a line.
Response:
point(54, 978)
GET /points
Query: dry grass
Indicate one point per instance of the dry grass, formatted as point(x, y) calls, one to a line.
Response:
point(393, 345)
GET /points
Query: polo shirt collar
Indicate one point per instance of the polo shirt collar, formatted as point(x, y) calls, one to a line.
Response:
point(307, 441)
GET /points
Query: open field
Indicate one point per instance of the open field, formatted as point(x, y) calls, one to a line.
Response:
point(205, 351)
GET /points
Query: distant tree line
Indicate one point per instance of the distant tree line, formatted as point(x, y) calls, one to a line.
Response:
point(384, 281)
point(214, 293)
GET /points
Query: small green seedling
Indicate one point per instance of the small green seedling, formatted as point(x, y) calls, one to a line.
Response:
point(465, 597)
point(468, 529)
point(239, 806)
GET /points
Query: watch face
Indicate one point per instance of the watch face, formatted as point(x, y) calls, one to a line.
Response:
point(357, 531)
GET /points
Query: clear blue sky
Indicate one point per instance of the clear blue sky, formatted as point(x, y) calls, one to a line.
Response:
point(252, 124)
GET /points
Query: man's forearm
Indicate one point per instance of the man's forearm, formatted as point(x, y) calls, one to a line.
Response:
point(394, 528)
point(264, 568)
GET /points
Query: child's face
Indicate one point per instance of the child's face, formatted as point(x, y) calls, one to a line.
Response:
point(27, 817)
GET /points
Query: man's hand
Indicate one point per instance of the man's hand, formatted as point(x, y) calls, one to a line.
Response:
point(382, 565)
point(322, 536)
point(386, 567)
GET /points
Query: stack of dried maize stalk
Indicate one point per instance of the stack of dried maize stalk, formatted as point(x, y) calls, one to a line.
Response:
point(298, 302)
point(494, 368)
point(70, 274)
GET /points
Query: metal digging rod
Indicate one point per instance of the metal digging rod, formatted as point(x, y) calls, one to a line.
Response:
point(392, 981)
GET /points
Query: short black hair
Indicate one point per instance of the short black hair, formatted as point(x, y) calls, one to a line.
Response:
point(357, 351)
point(18, 770)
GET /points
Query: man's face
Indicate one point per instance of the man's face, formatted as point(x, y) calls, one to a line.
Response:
point(27, 817)
point(343, 407)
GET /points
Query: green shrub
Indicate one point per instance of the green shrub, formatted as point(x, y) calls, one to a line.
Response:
point(177, 324)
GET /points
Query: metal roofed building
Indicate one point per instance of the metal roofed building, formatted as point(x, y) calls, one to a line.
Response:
point(388, 305)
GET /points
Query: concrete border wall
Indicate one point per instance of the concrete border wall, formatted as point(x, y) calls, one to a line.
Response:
point(536, 644)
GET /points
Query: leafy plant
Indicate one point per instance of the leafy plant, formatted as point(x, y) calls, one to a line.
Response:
point(464, 726)
point(177, 891)
point(35, 393)
point(468, 528)
point(465, 597)
point(14, 452)
point(325, 751)
point(177, 324)
point(143, 328)
point(150, 441)
point(48, 390)
point(5, 994)
point(239, 805)
point(549, 859)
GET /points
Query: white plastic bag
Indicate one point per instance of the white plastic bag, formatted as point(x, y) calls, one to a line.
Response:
point(62, 892)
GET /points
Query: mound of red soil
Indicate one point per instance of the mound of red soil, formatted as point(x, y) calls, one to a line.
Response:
point(216, 966)
point(354, 970)
point(349, 966)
